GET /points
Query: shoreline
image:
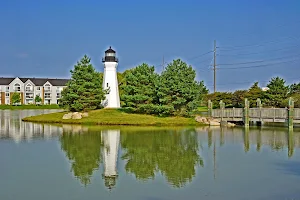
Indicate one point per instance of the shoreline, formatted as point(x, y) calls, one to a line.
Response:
point(113, 117)
point(29, 107)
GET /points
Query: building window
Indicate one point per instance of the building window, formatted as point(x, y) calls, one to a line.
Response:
point(7, 89)
point(28, 88)
point(47, 95)
point(58, 95)
point(38, 88)
point(7, 94)
point(106, 84)
point(47, 87)
point(17, 87)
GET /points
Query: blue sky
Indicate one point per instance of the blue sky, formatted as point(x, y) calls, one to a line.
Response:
point(45, 38)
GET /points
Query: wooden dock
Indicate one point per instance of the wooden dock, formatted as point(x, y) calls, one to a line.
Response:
point(289, 115)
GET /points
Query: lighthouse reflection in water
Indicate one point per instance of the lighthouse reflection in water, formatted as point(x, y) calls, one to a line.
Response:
point(110, 139)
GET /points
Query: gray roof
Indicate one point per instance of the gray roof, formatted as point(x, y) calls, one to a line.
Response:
point(36, 81)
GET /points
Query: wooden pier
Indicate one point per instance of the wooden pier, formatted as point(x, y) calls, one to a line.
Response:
point(246, 115)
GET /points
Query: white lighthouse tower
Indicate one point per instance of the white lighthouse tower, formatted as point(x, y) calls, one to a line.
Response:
point(110, 139)
point(110, 80)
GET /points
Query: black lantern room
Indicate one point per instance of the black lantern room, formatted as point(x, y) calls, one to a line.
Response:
point(110, 56)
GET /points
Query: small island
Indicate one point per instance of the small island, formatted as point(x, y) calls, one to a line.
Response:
point(114, 117)
point(139, 96)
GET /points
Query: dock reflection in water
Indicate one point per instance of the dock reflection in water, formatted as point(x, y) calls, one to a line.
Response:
point(199, 162)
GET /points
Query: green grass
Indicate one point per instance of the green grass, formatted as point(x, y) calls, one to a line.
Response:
point(24, 107)
point(202, 109)
point(114, 117)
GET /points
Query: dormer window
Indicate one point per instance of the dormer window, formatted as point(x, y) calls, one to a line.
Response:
point(28, 88)
point(47, 87)
point(17, 87)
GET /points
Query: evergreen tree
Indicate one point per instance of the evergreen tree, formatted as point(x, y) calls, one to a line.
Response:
point(139, 88)
point(238, 98)
point(254, 93)
point(277, 92)
point(294, 88)
point(178, 89)
point(84, 90)
point(16, 98)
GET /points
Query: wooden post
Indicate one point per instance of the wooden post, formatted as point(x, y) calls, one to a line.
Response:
point(222, 107)
point(246, 113)
point(210, 107)
point(246, 139)
point(259, 105)
point(291, 143)
point(291, 113)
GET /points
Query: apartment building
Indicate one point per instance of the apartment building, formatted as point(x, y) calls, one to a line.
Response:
point(48, 89)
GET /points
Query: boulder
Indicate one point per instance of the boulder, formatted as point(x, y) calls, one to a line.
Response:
point(67, 116)
point(230, 124)
point(214, 123)
point(215, 120)
point(85, 114)
point(199, 119)
point(76, 115)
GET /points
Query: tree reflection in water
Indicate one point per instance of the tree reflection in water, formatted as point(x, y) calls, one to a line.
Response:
point(83, 149)
point(173, 153)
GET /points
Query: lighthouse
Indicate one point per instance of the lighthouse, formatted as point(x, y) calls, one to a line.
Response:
point(110, 80)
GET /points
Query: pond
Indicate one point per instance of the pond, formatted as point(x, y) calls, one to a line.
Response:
point(42, 161)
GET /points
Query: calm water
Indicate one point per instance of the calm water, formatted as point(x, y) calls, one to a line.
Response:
point(78, 162)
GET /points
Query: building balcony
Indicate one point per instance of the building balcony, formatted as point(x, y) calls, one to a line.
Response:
point(28, 97)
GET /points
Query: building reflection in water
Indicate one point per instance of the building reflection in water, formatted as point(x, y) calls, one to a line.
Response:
point(12, 127)
point(110, 140)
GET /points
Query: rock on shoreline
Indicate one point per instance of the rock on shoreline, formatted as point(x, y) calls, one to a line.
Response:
point(75, 115)
point(213, 122)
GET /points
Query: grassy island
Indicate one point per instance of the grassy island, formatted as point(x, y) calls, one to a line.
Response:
point(114, 117)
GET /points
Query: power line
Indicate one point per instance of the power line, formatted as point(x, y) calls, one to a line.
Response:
point(258, 45)
point(252, 53)
point(194, 57)
point(260, 61)
point(258, 66)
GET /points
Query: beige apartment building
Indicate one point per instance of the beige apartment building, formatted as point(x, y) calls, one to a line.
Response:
point(48, 89)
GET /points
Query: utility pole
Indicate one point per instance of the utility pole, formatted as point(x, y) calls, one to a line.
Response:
point(215, 65)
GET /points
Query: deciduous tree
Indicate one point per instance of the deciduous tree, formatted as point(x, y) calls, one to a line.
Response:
point(16, 98)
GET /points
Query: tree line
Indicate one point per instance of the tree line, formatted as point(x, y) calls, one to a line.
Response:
point(276, 94)
point(173, 92)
